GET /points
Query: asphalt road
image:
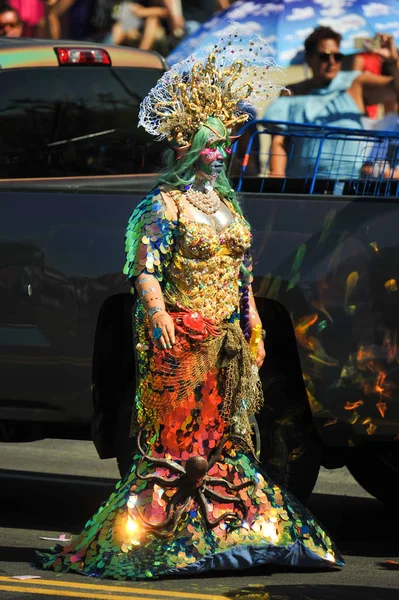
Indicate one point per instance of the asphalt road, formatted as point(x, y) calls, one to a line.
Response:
point(51, 487)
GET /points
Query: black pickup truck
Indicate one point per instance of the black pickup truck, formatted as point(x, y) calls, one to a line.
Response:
point(326, 284)
point(326, 272)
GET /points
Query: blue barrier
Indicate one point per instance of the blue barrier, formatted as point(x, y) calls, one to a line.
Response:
point(320, 159)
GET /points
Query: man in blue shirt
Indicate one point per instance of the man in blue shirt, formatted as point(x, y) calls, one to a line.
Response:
point(330, 98)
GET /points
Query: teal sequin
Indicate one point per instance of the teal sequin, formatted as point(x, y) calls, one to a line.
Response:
point(150, 238)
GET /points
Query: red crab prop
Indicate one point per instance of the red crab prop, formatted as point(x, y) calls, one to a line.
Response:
point(194, 324)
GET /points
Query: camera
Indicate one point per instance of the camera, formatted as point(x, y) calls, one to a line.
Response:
point(367, 43)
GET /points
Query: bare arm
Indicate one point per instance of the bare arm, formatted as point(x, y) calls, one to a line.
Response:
point(278, 156)
point(151, 11)
point(254, 315)
point(368, 80)
point(150, 293)
point(254, 321)
point(388, 52)
point(175, 14)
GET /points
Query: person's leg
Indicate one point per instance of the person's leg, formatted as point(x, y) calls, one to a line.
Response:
point(52, 29)
point(118, 35)
point(54, 10)
point(149, 36)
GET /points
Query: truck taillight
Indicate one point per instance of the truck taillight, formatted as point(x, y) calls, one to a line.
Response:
point(82, 56)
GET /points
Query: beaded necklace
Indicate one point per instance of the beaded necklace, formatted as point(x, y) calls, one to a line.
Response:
point(208, 202)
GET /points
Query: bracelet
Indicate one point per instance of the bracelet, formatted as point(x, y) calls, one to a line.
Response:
point(153, 310)
point(263, 334)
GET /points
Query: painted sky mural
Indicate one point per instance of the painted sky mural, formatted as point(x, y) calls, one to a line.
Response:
point(284, 24)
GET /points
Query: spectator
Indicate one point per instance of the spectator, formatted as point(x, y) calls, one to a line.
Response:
point(78, 19)
point(176, 19)
point(31, 14)
point(139, 24)
point(196, 12)
point(383, 159)
point(187, 16)
point(372, 59)
point(10, 22)
point(101, 19)
point(331, 97)
point(252, 161)
point(55, 10)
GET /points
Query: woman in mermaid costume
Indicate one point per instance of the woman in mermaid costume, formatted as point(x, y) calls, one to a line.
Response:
point(196, 499)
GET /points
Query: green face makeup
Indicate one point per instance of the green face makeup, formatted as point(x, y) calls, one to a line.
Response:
point(212, 159)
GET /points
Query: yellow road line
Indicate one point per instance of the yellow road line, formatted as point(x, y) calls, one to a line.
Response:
point(83, 594)
point(119, 589)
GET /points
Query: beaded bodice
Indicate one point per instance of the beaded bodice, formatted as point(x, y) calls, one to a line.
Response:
point(204, 271)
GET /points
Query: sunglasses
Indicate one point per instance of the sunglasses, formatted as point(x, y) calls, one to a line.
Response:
point(11, 25)
point(325, 56)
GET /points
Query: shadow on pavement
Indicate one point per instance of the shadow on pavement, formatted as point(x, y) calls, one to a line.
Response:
point(15, 555)
point(360, 526)
point(49, 502)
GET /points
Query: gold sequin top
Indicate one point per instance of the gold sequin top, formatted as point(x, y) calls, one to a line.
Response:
point(196, 265)
point(204, 271)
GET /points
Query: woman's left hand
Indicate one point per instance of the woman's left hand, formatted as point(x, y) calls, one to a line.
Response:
point(260, 354)
point(387, 47)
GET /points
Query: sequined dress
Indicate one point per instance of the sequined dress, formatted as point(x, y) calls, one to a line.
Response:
point(160, 520)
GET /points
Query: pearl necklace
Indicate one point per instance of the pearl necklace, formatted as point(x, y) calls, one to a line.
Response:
point(208, 202)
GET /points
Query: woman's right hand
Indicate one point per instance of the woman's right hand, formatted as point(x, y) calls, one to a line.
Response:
point(164, 321)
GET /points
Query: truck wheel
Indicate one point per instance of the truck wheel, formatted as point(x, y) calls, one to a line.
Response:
point(376, 469)
point(291, 450)
point(303, 470)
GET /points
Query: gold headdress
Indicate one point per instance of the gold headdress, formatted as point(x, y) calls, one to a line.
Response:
point(221, 81)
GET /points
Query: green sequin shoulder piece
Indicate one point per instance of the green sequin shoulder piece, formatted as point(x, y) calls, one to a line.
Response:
point(150, 238)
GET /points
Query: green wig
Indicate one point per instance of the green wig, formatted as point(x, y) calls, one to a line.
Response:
point(180, 173)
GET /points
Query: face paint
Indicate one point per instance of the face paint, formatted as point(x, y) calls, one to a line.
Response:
point(212, 159)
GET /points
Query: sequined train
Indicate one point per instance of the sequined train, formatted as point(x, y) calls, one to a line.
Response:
point(195, 498)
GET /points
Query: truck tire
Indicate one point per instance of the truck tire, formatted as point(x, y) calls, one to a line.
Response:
point(376, 468)
point(290, 456)
point(303, 470)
